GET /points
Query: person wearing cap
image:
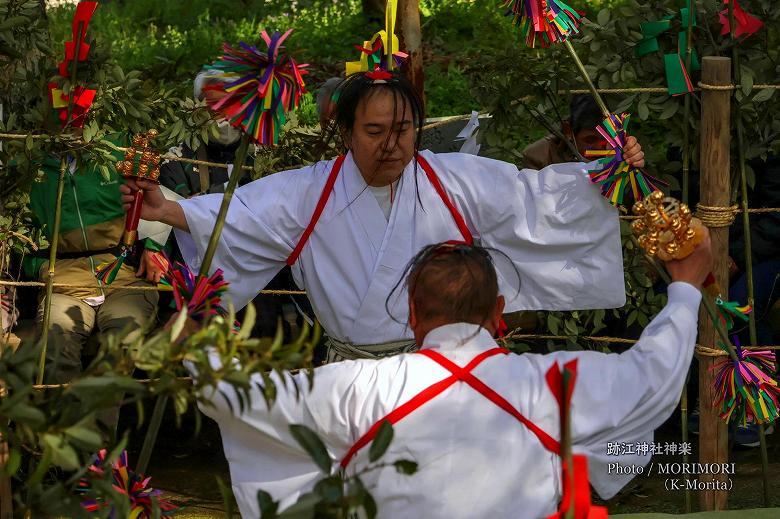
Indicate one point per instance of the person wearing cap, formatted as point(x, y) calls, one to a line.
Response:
point(348, 225)
point(481, 423)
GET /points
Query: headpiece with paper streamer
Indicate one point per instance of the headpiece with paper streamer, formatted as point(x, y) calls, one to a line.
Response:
point(79, 100)
point(128, 483)
point(382, 52)
point(254, 90)
point(543, 22)
point(619, 182)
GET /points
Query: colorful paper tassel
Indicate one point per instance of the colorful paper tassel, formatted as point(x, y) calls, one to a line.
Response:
point(743, 389)
point(619, 182)
point(107, 272)
point(128, 483)
point(200, 296)
point(257, 88)
point(747, 24)
point(543, 22)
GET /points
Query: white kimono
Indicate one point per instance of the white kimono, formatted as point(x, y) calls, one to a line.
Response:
point(561, 234)
point(475, 460)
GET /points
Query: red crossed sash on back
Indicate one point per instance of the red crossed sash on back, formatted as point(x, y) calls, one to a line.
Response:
point(583, 509)
point(328, 189)
point(458, 375)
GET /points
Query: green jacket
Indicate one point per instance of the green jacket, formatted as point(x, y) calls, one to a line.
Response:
point(92, 219)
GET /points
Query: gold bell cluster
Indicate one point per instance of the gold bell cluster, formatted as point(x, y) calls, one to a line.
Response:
point(666, 228)
point(141, 160)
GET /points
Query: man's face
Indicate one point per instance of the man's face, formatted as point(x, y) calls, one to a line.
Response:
point(589, 139)
point(382, 138)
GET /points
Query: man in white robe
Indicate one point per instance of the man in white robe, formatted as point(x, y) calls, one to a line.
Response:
point(475, 459)
point(348, 226)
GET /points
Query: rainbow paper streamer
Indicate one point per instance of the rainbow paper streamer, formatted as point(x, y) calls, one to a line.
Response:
point(128, 483)
point(257, 89)
point(543, 22)
point(744, 390)
point(200, 295)
point(747, 24)
point(619, 182)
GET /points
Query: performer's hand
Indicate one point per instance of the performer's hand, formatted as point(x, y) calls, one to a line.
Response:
point(633, 154)
point(695, 268)
point(151, 268)
point(154, 201)
point(156, 208)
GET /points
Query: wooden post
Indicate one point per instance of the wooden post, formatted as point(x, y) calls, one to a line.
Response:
point(410, 36)
point(715, 186)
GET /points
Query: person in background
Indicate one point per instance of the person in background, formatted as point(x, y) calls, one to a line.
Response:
point(90, 231)
point(579, 128)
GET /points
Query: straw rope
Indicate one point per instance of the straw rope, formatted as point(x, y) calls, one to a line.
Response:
point(663, 90)
point(4, 282)
point(700, 349)
point(715, 216)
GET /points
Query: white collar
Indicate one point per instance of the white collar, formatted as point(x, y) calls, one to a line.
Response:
point(461, 336)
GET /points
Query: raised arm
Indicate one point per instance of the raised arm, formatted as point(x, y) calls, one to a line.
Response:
point(621, 399)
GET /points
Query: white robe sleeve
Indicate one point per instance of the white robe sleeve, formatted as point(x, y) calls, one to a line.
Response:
point(623, 398)
point(258, 443)
point(260, 232)
point(561, 235)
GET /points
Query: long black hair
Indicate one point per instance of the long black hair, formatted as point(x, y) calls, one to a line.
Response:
point(361, 87)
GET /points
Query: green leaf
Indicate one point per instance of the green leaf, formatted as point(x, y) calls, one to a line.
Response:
point(62, 453)
point(331, 489)
point(603, 17)
point(407, 467)
point(381, 441)
point(228, 499)
point(268, 506)
point(643, 111)
point(313, 446)
point(303, 508)
point(178, 325)
point(13, 462)
point(84, 437)
point(763, 95)
point(26, 414)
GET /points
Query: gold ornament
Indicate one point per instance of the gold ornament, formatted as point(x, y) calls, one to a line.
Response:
point(148, 158)
point(666, 227)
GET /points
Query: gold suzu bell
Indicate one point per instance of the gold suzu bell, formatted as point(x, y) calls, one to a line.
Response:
point(666, 228)
point(141, 160)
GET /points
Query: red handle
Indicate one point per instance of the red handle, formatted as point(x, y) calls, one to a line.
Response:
point(134, 213)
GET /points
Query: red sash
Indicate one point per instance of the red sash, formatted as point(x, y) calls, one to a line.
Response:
point(582, 504)
point(328, 189)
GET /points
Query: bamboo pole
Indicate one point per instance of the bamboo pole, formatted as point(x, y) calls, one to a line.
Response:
point(686, 166)
point(714, 188)
point(748, 244)
point(55, 232)
point(162, 401)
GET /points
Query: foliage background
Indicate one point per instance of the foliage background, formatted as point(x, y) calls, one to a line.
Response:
point(146, 53)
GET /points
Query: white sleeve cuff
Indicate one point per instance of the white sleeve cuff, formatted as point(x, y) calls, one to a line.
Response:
point(685, 294)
